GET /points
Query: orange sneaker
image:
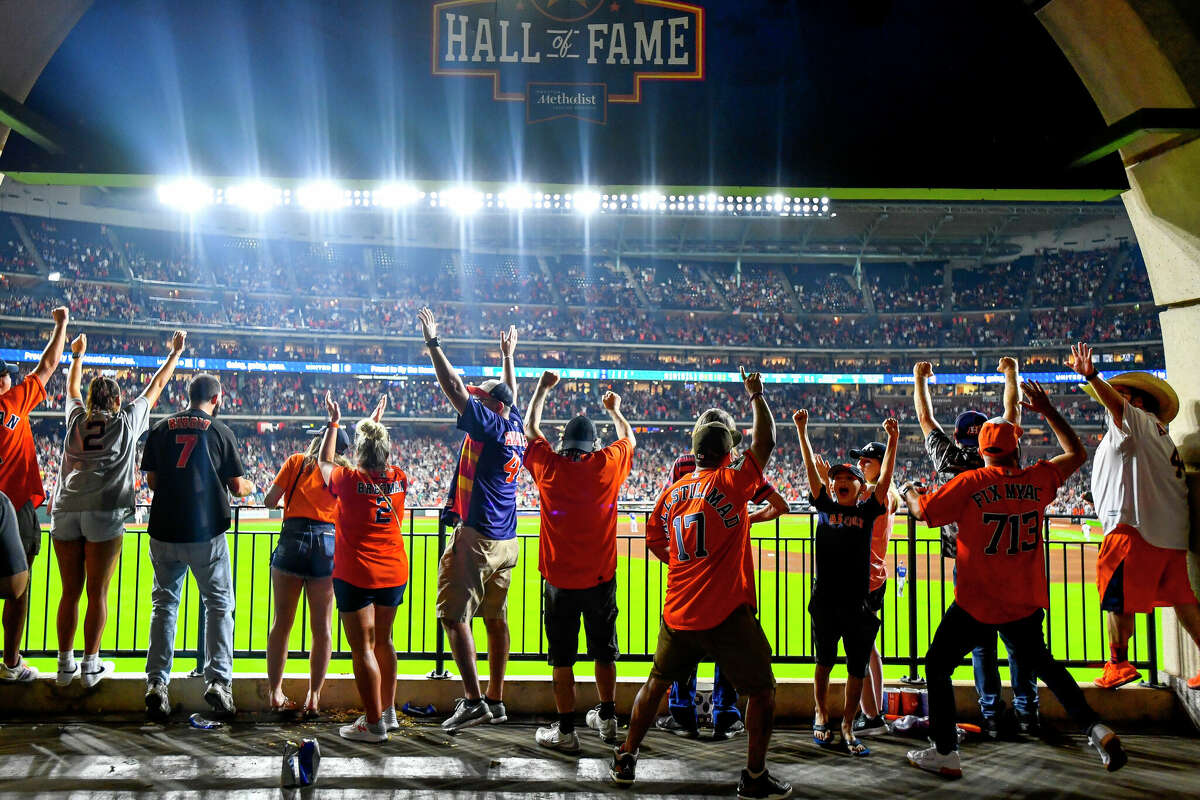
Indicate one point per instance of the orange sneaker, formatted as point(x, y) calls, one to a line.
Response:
point(1194, 682)
point(1116, 675)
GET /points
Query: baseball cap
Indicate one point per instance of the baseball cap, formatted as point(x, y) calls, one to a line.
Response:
point(966, 427)
point(579, 434)
point(11, 369)
point(837, 469)
point(720, 415)
point(712, 439)
point(998, 437)
point(496, 390)
point(873, 450)
point(343, 438)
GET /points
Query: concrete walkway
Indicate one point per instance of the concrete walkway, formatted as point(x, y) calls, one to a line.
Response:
point(137, 760)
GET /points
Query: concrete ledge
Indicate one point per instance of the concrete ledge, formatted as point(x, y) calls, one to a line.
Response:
point(123, 693)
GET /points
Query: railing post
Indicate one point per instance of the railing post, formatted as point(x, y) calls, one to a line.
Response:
point(1152, 681)
point(439, 662)
point(914, 674)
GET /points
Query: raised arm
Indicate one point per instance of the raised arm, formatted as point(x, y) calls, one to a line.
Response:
point(884, 485)
point(380, 407)
point(161, 378)
point(508, 348)
point(1073, 453)
point(800, 419)
point(1012, 377)
point(922, 372)
point(329, 442)
point(1080, 362)
point(612, 404)
point(764, 422)
point(452, 385)
point(52, 355)
point(534, 424)
point(75, 375)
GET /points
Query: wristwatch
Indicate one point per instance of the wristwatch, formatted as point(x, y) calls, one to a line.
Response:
point(433, 342)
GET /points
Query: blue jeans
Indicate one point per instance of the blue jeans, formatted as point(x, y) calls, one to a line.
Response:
point(209, 563)
point(987, 680)
point(681, 702)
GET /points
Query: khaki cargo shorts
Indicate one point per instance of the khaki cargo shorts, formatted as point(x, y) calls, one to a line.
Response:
point(474, 575)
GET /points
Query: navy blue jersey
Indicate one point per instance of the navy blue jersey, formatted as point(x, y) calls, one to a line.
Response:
point(484, 489)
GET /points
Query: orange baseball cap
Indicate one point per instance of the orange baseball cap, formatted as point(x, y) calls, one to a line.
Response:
point(999, 437)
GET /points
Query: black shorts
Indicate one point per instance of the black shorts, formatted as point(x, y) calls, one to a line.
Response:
point(855, 629)
point(31, 531)
point(738, 644)
point(875, 599)
point(561, 610)
point(351, 598)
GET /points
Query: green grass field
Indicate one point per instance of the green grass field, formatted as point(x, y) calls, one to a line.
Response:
point(1075, 629)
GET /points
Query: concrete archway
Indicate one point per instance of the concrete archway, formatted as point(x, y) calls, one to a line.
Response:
point(1145, 54)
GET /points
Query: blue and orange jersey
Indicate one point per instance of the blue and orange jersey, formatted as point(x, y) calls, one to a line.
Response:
point(484, 489)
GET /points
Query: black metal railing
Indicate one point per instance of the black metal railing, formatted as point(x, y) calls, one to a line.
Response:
point(914, 603)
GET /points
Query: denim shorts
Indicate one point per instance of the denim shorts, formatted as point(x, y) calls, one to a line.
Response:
point(351, 598)
point(305, 548)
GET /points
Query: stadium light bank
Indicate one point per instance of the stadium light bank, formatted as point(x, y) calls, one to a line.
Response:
point(195, 195)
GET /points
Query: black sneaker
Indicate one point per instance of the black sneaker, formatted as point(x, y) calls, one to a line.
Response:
point(723, 732)
point(623, 767)
point(764, 787)
point(870, 726)
point(668, 723)
point(991, 727)
point(1028, 724)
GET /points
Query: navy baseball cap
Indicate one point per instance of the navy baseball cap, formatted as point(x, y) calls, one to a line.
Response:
point(854, 471)
point(11, 369)
point(967, 426)
point(343, 439)
point(496, 390)
point(579, 434)
point(873, 450)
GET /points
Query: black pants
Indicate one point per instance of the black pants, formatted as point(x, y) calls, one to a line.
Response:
point(958, 634)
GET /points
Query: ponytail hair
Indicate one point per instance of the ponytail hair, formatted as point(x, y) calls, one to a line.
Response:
point(103, 397)
point(372, 446)
point(312, 454)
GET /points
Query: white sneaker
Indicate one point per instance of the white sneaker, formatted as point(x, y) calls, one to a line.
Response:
point(389, 719)
point(607, 727)
point(555, 739)
point(362, 731)
point(931, 760)
point(21, 673)
point(67, 672)
point(220, 697)
point(95, 671)
point(1108, 745)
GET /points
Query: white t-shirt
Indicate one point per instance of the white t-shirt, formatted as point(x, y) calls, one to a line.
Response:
point(100, 458)
point(1138, 480)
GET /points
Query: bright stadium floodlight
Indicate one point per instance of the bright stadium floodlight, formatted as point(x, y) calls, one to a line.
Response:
point(54, 277)
point(516, 197)
point(586, 202)
point(321, 196)
point(254, 196)
point(185, 194)
point(461, 200)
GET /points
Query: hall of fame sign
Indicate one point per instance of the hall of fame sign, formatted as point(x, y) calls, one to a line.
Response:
point(568, 58)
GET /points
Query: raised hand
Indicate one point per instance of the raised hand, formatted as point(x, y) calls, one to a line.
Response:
point(508, 341)
point(892, 427)
point(178, 341)
point(549, 379)
point(753, 382)
point(380, 407)
point(428, 323)
point(822, 468)
point(923, 369)
point(1036, 399)
point(611, 401)
point(60, 315)
point(79, 344)
point(1080, 360)
point(331, 408)
point(1007, 364)
point(800, 418)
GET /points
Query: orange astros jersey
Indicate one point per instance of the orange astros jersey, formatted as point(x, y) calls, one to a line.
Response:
point(1001, 563)
point(702, 519)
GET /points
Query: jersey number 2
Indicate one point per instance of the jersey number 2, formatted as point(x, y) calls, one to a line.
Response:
point(383, 510)
point(91, 442)
point(681, 526)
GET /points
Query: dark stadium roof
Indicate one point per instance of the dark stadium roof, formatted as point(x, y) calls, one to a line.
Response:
point(855, 93)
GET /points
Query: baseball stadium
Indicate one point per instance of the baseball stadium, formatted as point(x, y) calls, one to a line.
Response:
point(354, 354)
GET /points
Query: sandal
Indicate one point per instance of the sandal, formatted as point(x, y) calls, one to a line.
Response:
point(288, 706)
point(819, 728)
point(855, 747)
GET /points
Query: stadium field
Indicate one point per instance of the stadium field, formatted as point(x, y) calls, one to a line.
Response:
point(783, 560)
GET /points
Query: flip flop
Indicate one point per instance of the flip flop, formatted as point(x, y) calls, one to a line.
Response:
point(825, 744)
point(288, 706)
point(855, 747)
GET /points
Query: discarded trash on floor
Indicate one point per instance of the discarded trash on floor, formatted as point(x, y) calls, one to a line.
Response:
point(418, 711)
point(204, 724)
point(300, 762)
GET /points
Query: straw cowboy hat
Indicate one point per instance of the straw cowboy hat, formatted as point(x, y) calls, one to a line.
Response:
point(1164, 396)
